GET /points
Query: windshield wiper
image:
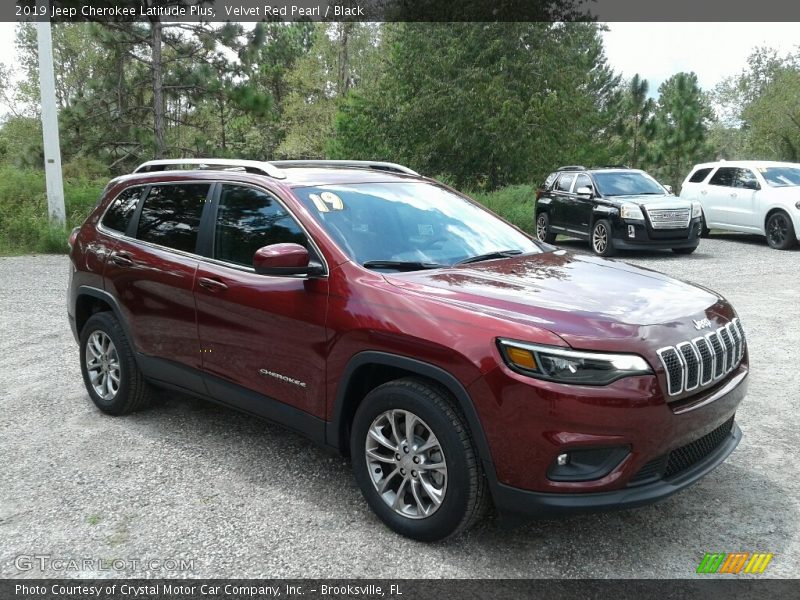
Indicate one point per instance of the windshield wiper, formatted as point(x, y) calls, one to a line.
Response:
point(401, 265)
point(489, 256)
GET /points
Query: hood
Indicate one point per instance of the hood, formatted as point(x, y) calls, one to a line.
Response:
point(583, 299)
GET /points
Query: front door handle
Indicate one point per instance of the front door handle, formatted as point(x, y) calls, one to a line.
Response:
point(121, 259)
point(212, 285)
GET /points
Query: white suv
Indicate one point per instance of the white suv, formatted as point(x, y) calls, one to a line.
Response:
point(749, 196)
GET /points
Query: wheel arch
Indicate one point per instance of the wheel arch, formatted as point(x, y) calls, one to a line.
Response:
point(90, 300)
point(351, 390)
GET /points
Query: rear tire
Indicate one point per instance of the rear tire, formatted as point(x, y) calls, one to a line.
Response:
point(109, 368)
point(425, 483)
point(780, 231)
point(543, 233)
point(601, 241)
point(684, 250)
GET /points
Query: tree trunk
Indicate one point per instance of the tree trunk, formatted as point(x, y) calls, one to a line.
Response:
point(158, 88)
point(344, 67)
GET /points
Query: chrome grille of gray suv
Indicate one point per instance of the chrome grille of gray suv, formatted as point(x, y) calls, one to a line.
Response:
point(703, 360)
point(669, 218)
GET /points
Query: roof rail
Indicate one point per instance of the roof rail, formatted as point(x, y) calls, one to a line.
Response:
point(613, 167)
point(251, 166)
point(572, 168)
point(347, 164)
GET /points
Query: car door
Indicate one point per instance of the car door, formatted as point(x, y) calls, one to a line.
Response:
point(719, 194)
point(561, 199)
point(263, 338)
point(580, 215)
point(151, 273)
point(744, 211)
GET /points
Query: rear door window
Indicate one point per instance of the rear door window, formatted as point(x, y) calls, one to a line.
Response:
point(171, 215)
point(118, 216)
point(725, 176)
point(565, 183)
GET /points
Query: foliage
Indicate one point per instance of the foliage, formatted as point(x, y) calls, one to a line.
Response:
point(24, 226)
point(486, 104)
point(681, 121)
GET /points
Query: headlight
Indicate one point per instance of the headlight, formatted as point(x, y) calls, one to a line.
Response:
point(631, 211)
point(570, 366)
point(697, 210)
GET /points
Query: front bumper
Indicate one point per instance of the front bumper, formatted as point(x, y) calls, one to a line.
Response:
point(644, 237)
point(529, 424)
point(526, 503)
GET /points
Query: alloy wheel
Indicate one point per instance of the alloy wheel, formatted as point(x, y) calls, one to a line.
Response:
point(102, 365)
point(541, 228)
point(406, 463)
point(778, 230)
point(600, 238)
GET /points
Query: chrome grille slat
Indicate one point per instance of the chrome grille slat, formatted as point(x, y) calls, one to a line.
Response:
point(691, 362)
point(706, 360)
point(703, 360)
point(669, 218)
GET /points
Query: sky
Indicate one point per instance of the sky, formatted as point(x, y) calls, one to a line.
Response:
point(654, 50)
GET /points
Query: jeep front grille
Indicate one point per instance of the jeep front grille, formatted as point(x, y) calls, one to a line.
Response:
point(703, 360)
point(669, 218)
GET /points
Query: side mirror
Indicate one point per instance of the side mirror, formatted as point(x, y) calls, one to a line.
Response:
point(751, 184)
point(584, 192)
point(668, 188)
point(285, 259)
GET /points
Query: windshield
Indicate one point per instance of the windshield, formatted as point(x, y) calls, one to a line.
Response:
point(781, 176)
point(409, 222)
point(627, 183)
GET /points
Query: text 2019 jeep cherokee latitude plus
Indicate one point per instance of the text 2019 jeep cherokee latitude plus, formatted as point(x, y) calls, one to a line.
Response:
point(455, 359)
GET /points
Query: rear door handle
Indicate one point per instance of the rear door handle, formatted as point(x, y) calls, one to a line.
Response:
point(212, 285)
point(121, 259)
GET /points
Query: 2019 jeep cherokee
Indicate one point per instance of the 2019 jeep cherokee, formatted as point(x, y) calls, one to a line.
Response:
point(389, 317)
point(615, 208)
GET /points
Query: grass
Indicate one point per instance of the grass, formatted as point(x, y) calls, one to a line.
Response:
point(25, 229)
point(514, 203)
point(24, 224)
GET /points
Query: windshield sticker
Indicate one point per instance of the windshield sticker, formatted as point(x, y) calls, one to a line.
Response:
point(332, 200)
point(321, 206)
point(425, 229)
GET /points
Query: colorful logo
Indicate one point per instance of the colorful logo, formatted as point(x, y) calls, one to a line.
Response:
point(734, 562)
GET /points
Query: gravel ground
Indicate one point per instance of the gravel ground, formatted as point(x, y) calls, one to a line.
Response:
point(243, 498)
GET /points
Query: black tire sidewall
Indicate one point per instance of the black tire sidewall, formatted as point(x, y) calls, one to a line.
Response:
point(451, 513)
point(106, 323)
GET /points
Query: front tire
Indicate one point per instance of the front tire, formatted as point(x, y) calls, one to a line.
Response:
point(601, 241)
point(415, 461)
point(543, 233)
point(109, 369)
point(780, 231)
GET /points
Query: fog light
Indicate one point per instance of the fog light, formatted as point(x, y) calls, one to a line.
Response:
point(631, 231)
point(797, 204)
point(562, 459)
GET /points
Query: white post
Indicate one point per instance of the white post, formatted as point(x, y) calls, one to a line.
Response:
point(52, 147)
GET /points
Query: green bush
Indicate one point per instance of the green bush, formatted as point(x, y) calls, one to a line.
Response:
point(514, 203)
point(24, 223)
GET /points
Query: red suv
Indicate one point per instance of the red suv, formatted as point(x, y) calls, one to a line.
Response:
point(457, 360)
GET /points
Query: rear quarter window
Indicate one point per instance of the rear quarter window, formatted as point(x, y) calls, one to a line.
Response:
point(700, 175)
point(118, 216)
